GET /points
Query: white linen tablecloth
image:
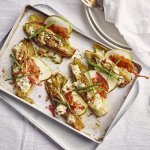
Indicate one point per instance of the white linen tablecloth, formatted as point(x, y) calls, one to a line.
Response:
point(16, 133)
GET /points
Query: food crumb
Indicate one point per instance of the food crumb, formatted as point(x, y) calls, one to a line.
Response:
point(39, 84)
point(3, 70)
point(11, 83)
point(39, 96)
point(47, 98)
point(89, 114)
point(98, 123)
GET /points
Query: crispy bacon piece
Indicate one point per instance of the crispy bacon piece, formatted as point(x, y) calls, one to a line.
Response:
point(125, 63)
point(52, 109)
point(103, 89)
point(72, 103)
point(34, 71)
point(63, 32)
point(69, 97)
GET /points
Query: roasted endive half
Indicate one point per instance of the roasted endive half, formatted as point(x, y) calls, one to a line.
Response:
point(116, 64)
point(62, 27)
point(45, 37)
point(91, 85)
point(27, 69)
point(63, 102)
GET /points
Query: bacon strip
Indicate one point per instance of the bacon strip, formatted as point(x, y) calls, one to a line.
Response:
point(125, 63)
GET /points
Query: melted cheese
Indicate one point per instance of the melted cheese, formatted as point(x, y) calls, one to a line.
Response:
point(18, 51)
point(71, 119)
point(23, 83)
point(61, 109)
point(76, 71)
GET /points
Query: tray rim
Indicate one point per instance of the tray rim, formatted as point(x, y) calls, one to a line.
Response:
point(40, 110)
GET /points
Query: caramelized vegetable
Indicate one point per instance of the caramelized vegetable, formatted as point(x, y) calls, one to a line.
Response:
point(54, 88)
point(50, 39)
point(29, 100)
point(81, 65)
point(44, 52)
point(109, 67)
point(126, 64)
point(99, 47)
point(92, 89)
point(38, 18)
point(24, 68)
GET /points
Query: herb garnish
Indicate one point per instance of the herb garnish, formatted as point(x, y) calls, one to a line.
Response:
point(111, 71)
point(101, 69)
point(15, 61)
point(14, 78)
point(87, 88)
point(41, 29)
point(67, 104)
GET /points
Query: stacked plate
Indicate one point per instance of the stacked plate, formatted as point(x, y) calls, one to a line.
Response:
point(105, 30)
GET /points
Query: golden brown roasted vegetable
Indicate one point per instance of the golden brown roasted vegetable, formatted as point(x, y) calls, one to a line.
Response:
point(98, 61)
point(48, 38)
point(54, 88)
point(100, 47)
point(81, 65)
point(29, 100)
point(25, 71)
point(22, 53)
point(38, 18)
point(55, 57)
point(91, 86)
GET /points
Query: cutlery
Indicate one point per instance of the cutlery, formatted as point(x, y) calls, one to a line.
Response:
point(94, 4)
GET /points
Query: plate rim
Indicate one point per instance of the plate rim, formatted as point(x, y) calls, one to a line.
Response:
point(100, 33)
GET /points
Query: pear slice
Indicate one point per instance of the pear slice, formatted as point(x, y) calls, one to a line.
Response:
point(45, 71)
point(122, 52)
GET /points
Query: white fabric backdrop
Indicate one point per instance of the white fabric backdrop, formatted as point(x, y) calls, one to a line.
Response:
point(16, 133)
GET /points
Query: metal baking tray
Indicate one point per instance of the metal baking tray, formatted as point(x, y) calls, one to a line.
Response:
point(82, 42)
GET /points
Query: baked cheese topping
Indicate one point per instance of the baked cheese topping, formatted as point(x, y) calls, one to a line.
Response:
point(61, 109)
point(71, 119)
point(18, 51)
point(23, 83)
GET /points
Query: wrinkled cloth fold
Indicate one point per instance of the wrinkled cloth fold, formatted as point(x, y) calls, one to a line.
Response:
point(132, 18)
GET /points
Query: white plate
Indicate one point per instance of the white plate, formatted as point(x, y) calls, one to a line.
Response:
point(105, 30)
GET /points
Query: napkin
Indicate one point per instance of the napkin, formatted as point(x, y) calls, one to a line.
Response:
point(132, 18)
